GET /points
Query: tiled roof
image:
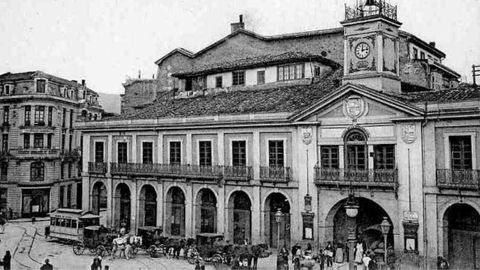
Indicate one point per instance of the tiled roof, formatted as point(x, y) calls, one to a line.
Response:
point(274, 100)
point(463, 93)
point(257, 61)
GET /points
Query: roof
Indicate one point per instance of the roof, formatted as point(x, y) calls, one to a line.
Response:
point(257, 61)
point(32, 74)
point(446, 69)
point(271, 100)
point(423, 44)
point(463, 93)
point(304, 34)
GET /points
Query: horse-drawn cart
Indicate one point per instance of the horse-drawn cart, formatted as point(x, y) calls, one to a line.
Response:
point(95, 238)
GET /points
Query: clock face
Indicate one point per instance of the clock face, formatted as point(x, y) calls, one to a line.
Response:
point(362, 50)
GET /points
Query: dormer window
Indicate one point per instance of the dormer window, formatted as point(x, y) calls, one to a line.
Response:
point(41, 86)
point(291, 72)
point(261, 77)
point(238, 78)
point(188, 84)
point(218, 82)
point(6, 89)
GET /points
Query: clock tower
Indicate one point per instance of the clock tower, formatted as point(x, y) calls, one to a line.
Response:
point(372, 45)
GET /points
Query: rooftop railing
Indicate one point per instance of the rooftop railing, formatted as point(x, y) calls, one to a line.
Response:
point(381, 178)
point(377, 8)
point(458, 179)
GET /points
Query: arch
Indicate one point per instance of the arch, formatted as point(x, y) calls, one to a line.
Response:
point(277, 233)
point(367, 224)
point(122, 206)
point(461, 235)
point(356, 149)
point(240, 217)
point(206, 211)
point(99, 197)
point(175, 212)
point(148, 206)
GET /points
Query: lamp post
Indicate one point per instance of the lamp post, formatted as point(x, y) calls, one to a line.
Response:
point(278, 219)
point(351, 209)
point(385, 226)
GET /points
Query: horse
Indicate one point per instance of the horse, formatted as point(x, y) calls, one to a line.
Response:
point(119, 244)
point(133, 243)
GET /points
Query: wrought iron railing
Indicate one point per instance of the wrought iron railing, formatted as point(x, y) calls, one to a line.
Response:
point(346, 177)
point(237, 173)
point(275, 174)
point(378, 8)
point(166, 170)
point(458, 179)
point(97, 167)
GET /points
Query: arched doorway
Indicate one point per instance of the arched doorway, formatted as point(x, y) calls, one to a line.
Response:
point(240, 217)
point(175, 212)
point(367, 223)
point(148, 206)
point(206, 214)
point(277, 232)
point(461, 237)
point(99, 198)
point(122, 206)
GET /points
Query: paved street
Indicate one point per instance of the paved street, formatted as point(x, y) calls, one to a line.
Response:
point(29, 248)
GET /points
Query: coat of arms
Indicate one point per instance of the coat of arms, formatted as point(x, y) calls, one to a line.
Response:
point(354, 107)
point(409, 134)
point(307, 135)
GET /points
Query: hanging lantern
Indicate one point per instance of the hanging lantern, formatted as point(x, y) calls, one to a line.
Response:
point(351, 206)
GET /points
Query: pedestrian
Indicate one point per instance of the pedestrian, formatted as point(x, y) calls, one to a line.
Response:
point(197, 265)
point(329, 255)
point(321, 259)
point(6, 260)
point(47, 265)
point(284, 255)
point(96, 265)
point(296, 259)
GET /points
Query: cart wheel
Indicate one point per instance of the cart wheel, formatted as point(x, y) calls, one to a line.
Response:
point(152, 250)
point(78, 248)
point(192, 259)
point(101, 251)
point(217, 259)
point(162, 249)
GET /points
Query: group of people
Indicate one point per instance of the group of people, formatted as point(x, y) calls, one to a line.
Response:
point(338, 253)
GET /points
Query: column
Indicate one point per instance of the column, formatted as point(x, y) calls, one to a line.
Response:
point(221, 148)
point(134, 148)
point(341, 157)
point(221, 210)
point(256, 155)
point(133, 207)
point(110, 202)
point(379, 43)
point(160, 205)
point(189, 212)
point(188, 149)
point(370, 157)
point(85, 177)
point(159, 148)
point(109, 153)
point(257, 224)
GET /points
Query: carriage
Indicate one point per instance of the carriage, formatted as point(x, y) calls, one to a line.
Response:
point(207, 247)
point(152, 241)
point(97, 239)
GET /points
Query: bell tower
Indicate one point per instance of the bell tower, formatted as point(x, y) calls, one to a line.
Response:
point(372, 45)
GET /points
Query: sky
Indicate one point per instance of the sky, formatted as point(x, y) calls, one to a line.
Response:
point(104, 41)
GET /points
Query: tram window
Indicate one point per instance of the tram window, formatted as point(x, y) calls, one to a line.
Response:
point(80, 225)
point(74, 224)
point(57, 222)
point(62, 222)
point(68, 223)
point(52, 221)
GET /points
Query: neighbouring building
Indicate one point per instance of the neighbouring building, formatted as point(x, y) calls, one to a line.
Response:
point(300, 126)
point(40, 157)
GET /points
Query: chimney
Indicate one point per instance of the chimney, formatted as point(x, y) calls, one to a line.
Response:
point(432, 44)
point(83, 82)
point(238, 25)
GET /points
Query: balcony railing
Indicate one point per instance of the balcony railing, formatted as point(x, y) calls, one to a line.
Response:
point(97, 167)
point(275, 174)
point(458, 179)
point(35, 153)
point(384, 178)
point(168, 170)
point(71, 155)
point(380, 8)
point(237, 173)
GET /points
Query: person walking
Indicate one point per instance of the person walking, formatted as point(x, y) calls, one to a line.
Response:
point(47, 265)
point(6, 260)
point(96, 265)
point(329, 255)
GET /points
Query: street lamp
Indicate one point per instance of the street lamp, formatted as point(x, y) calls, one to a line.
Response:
point(278, 219)
point(351, 209)
point(385, 226)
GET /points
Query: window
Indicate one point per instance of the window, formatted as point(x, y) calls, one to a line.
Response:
point(64, 116)
point(4, 142)
point(62, 146)
point(50, 116)
point(28, 115)
point(38, 140)
point(62, 196)
point(147, 152)
point(356, 151)
point(49, 141)
point(422, 55)
point(291, 72)
point(69, 196)
point(62, 170)
point(71, 118)
point(37, 171)
point(175, 153)
point(275, 154)
point(188, 84)
point(218, 81)
point(3, 171)
point(41, 86)
point(3, 198)
point(39, 115)
point(6, 114)
point(261, 77)
point(415, 53)
point(99, 151)
point(6, 89)
point(384, 157)
point(329, 157)
point(238, 78)
point(205, 153)
point(239, 153)
point(26, 140)
point(461, 152)
point(69, 170)
point(122, 152)
point(70, 142)
point(317, 71)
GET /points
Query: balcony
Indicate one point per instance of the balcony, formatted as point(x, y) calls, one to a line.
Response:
point(167, 170)
point(97, 167)
point(458, 179)
point(35, 153)
point(237, 173)
point(376, 178)
point(377, 8)
point(71, 156)
point(275, 174)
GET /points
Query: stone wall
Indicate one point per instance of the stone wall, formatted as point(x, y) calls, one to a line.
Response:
point(137, 93)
